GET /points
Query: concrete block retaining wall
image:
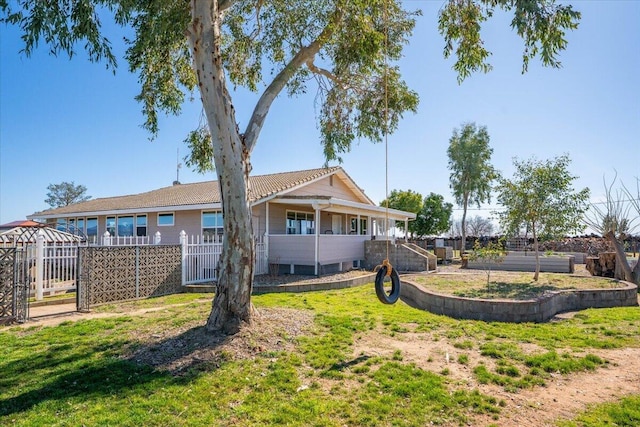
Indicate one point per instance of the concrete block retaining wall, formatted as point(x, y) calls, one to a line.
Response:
point(402, 257)
point(539, 310)
point(511, 262)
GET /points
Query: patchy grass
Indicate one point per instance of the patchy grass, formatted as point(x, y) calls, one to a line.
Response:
point(509, 285)
point(90, 372)
point(623, 413)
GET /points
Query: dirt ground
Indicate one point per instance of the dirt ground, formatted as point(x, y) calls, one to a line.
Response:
point(563, 397)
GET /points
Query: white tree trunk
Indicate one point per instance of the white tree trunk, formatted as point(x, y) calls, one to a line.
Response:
point(232, 302)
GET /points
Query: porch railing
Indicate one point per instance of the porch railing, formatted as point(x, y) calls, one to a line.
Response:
point(201, 259)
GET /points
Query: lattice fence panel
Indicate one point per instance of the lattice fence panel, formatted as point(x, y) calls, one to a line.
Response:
point(159, 270)
point(7, 267)
point(110, 274)
point(13, 286)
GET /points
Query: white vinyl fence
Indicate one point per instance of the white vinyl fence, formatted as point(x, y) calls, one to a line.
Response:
point(52, 267)
point(200, 259)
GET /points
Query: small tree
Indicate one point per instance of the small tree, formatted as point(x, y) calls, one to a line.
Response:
point(491, 254)
point(408, 201)
point(541, 199)
point(65, 194)
point(471, 171)
point(434, 217)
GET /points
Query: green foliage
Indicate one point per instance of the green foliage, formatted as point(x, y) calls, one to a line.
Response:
point(65, 194)
point(541, 25)
point(434, 217)
point(490, 254)
point(469, 162)
point(408, 201)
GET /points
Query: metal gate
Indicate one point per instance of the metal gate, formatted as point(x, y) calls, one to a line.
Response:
point(14, 291)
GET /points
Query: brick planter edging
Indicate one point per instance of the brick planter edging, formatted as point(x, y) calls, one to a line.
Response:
point(536, 310)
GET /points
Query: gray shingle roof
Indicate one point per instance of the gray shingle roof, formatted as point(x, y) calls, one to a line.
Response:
point(198, 193)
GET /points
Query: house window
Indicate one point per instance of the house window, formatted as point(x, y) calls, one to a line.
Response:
point(165, 219)
point(80, 226)
point(111, 225)
point(141, 225)
point(300, 223)
point(353, 229)
point(125, 226)
point(61, 224)
point(92, 226)
point(212, 225)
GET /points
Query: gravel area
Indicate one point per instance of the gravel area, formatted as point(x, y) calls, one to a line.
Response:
point(298, 279)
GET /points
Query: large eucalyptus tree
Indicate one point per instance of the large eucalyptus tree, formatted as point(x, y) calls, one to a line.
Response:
point(471, 170)
point(346, 49)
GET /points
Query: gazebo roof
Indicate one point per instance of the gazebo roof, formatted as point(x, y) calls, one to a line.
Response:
point(29, 234)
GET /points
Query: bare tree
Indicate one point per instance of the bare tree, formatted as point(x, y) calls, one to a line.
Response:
point(478, 226)
point(613, 219)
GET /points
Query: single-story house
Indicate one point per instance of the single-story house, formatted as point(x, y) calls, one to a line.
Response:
point(311, 221)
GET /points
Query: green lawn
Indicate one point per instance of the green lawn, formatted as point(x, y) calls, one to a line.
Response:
point(98, 372)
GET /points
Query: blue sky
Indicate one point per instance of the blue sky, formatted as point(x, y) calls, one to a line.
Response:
point(72, 120)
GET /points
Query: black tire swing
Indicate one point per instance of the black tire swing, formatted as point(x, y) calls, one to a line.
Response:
point(386, 270)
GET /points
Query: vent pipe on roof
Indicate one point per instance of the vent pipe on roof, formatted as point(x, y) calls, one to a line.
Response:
point(178, 166)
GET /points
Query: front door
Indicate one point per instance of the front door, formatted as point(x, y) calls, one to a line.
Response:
point(336, 224)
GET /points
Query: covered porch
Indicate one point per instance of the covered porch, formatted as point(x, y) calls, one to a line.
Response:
point(322, 235)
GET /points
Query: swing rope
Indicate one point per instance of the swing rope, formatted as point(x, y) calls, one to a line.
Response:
point(386, 269)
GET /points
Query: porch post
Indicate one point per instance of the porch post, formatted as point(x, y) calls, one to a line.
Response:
point(183, 247)
point(406, 230)
point(266, 234)
point(39, 264)
point(317, 248)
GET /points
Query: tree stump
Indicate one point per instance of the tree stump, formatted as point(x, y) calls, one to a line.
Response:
point(603, 265)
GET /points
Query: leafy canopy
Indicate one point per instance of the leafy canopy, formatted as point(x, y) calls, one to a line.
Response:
point(435, 216)
point(404, 200)
point(65, 194)
point(469, 162)
point(540, 198)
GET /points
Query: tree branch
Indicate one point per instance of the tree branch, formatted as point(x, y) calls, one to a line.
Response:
point(323, 72)
point(304, 55)
point(225, 4)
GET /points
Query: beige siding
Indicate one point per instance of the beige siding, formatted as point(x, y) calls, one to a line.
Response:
point(335, 249)
point(324, 187)
point(300, 250)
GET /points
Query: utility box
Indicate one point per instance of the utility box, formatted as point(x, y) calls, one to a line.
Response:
point(444, 254)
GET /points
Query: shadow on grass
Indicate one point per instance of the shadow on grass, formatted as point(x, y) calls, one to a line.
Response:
point(341, 366)
point(90, 371)
point(521, 291)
